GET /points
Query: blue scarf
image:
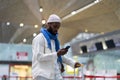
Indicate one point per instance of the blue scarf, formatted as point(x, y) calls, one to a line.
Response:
point(49, 36)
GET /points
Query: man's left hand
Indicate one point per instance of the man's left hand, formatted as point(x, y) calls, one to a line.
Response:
point(78, 65)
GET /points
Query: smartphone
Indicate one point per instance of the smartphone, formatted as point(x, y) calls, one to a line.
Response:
point(67, 47)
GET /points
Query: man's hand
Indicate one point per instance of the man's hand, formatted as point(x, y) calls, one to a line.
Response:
point(78, 65)
point(62, 51)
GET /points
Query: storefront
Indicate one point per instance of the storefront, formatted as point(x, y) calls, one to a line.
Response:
point(15, 62)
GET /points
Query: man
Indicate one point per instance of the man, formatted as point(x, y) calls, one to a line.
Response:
point(48, 59)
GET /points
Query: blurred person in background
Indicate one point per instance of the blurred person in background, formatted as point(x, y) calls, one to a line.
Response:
point(48, 58)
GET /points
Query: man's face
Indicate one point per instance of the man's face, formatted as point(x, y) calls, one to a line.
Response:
point(53, 27)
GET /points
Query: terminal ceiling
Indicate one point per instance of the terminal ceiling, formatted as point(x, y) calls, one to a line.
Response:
point(101, 17)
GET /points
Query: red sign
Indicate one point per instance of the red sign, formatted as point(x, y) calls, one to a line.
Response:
point(22, 56)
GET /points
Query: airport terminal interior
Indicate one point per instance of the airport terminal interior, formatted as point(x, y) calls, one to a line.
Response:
point(90, 27)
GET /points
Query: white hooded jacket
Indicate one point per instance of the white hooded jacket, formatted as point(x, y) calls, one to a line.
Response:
point(43, 58)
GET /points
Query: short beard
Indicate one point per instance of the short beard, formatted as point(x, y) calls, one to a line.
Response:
point(50, 30)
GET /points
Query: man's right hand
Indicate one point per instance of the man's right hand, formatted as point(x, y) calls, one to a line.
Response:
point(62, 52)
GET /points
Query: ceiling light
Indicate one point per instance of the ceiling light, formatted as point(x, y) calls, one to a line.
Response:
point(81, 52)
point(36, 26)
point(73, 13)
point(102, 33)
point(24, 40)
point(97, 1)
point(21, 24)
point(34, 34)
point(8, 23)
point(80, 10)
point(41, 9)
point(43, 21)
point(104, 46)
point(86, 30)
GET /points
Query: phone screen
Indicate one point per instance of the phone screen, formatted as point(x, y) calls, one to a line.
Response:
point(67, 47)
